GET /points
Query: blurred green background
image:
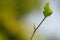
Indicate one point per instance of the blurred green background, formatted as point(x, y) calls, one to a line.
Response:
point(18, 16)
point(12, 16)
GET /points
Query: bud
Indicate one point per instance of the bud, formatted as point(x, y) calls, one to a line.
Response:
point(34, 25)
point(47, 10)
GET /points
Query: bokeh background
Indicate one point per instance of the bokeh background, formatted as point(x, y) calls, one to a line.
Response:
point(18, 16)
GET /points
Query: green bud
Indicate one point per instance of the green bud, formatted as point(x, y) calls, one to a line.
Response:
point(47, 11)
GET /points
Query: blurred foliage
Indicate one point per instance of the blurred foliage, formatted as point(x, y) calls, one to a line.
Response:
point(10, 10)
point(18, 6)
point(3, 36)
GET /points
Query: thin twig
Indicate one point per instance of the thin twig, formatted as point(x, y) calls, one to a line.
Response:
point(37, 28)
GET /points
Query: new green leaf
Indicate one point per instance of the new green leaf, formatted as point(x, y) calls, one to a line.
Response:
point(47, 10)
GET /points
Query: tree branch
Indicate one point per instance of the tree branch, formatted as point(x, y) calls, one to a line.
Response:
point(37, 28)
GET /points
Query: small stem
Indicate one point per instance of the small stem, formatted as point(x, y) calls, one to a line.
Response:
point(37, 28)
